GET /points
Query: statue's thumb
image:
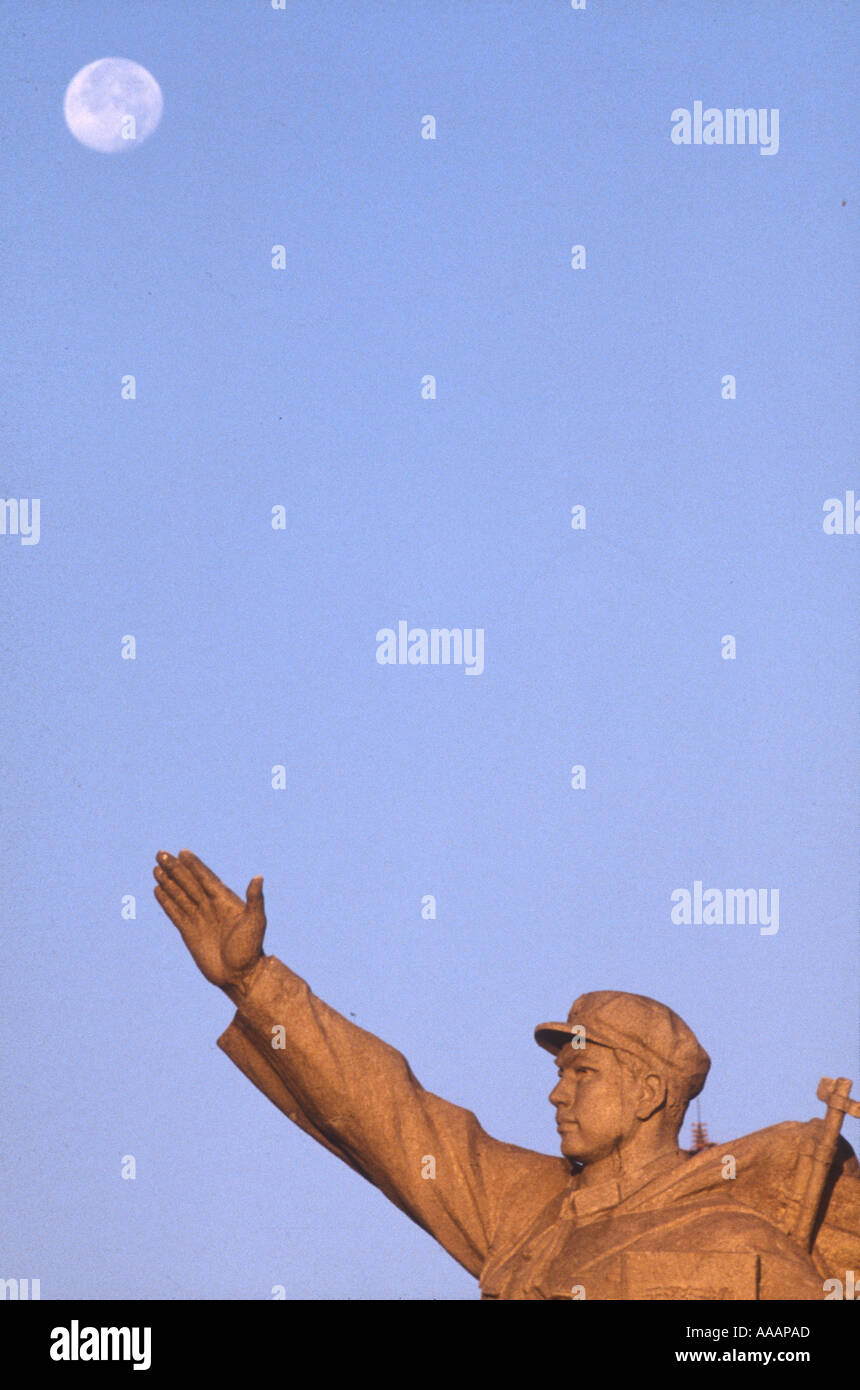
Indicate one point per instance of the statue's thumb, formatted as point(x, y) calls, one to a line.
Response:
point(254, 895)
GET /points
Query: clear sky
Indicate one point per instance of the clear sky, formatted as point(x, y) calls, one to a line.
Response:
point(256, 647)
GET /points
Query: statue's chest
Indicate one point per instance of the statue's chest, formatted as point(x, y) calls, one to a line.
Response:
point(561, 1257)
point(657, 1254)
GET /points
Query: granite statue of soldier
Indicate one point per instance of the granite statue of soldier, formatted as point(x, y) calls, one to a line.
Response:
point(622, 1213)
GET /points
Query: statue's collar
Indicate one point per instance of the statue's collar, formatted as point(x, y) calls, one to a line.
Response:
point(591, 1201)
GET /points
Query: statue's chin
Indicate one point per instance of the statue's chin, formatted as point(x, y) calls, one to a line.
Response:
point(570, 1148)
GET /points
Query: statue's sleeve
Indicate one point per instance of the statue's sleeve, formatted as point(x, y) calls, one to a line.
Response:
point(357, 1096)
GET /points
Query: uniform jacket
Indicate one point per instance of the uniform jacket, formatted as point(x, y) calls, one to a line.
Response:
point(519, 1220)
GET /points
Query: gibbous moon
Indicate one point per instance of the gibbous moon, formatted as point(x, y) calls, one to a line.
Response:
point(112, 105)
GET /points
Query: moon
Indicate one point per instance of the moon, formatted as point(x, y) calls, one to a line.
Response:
point(112, 105)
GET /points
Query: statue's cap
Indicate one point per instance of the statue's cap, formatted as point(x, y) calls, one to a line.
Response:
point(636, 1024)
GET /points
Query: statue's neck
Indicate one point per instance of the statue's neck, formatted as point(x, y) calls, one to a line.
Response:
point(631, 1160)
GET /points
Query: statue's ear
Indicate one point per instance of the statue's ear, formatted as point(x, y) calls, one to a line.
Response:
point(653, 1096)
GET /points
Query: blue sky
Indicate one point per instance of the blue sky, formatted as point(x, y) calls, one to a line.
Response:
point(255, 647)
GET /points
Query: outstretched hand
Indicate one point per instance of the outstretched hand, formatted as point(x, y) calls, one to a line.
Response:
point(223, 933)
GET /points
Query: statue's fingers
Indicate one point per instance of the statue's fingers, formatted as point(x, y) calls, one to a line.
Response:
point(175, 913)
point(175, 891)
point(181, 875)
point(209, 882)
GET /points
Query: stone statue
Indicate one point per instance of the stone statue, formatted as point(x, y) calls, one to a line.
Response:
point(623, 1213)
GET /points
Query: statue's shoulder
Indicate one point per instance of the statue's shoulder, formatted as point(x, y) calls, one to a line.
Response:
point(765, 1174)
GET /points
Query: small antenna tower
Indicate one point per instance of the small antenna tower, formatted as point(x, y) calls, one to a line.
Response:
point(700, 1133)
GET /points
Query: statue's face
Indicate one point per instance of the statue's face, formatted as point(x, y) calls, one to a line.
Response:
point(595, 1102)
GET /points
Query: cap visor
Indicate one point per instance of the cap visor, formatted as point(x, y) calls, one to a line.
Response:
point(553, 1036)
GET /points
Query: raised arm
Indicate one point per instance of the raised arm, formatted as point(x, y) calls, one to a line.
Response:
point(344, 1086)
